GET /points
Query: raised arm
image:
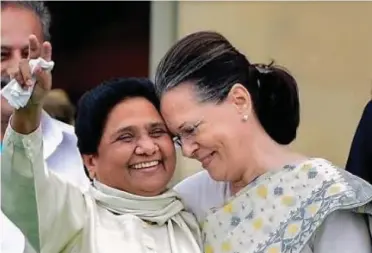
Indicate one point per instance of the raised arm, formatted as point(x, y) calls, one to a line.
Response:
point(48, 210)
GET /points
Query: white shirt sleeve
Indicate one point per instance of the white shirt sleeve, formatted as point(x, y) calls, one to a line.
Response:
point(200, 193)
point(343, 232)
point(61, 153)
point(47, 209)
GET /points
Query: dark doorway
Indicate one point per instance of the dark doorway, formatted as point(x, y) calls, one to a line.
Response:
point(95, 41)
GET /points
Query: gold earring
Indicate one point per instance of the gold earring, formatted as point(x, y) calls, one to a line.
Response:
point(245, 117)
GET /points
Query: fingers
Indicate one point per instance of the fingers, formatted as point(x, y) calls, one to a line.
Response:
point(18, 76)
point(46, 51)
point(24, 77)
point(34, 49)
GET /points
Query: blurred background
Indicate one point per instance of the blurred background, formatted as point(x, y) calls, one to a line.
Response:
point(327, 46)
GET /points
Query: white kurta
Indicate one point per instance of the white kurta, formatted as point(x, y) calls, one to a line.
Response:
point(61, 156)
point(57, 217)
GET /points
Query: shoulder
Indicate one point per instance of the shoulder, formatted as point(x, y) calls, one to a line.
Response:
point(200, 182)
point(66, 129)
point(325, 167)
point(56, 132)
point(368, 108)
point(366, 119)
point(61, 152)
point(200, 193)
point(331, 172)
point(342, 188)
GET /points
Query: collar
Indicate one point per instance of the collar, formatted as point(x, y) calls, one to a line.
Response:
point(52, 134)
point(158, 209)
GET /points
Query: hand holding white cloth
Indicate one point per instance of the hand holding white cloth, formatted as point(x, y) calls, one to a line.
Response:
point(18, 97)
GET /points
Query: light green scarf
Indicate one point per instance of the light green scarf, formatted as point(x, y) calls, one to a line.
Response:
point(165, 209)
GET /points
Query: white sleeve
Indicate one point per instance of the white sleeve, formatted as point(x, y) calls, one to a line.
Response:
point(47, 210)
point(343, 232)
point(200, 193)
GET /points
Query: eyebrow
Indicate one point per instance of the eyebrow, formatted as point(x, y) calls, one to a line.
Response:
point(156, 124)
point(189, 123)
point(182, 125)
point(5, 47)
point(123, 129)
point(9, 47)
point(132, 128)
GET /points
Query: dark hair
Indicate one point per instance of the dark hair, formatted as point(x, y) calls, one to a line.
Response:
point(39, 8)
point(213, 65)
point(96, 104)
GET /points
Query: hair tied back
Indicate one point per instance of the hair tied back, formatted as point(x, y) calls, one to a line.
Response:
point(263, 68)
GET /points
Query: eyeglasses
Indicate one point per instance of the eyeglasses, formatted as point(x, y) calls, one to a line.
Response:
point(187, 133)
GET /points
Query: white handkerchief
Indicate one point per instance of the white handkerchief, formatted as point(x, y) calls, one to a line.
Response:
point(17, 96)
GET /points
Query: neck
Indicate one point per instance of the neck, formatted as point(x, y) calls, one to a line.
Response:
point(265, 155)
point(119, 190)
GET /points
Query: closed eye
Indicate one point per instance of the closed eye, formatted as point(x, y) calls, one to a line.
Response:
point(25, 53)
point(5, 55)
point(158, 132)
point(125, 138)
point(188, 130)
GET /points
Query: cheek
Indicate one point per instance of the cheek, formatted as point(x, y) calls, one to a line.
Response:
point(4, 66)
point(167, 149)
point(117, 156)
point(224, 140)
point(216, 137)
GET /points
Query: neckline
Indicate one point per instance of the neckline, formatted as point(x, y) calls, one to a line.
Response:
point(229, 197)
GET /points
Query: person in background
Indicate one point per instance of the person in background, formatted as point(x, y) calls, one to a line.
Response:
point(256, 195)
point(58, 105)
point(359, 161)
point(20, 19)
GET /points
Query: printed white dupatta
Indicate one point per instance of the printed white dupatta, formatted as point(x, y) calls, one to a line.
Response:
point(280, 211)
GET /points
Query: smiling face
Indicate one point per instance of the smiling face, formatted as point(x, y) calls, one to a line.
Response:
point(136, 153)
point(212, 133)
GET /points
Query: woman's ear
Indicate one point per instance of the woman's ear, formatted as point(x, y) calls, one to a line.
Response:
point(240, 98)
point(90, 162)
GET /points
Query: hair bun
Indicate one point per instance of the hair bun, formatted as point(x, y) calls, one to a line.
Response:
point(278, 102)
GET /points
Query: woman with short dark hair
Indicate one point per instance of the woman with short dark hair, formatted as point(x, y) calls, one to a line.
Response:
point(130, 158)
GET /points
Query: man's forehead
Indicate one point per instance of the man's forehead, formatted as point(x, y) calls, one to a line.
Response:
point(17, 25)
point(14, 42)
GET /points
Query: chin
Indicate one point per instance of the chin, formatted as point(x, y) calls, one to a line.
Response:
point(154, 189)
point(216, 176)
